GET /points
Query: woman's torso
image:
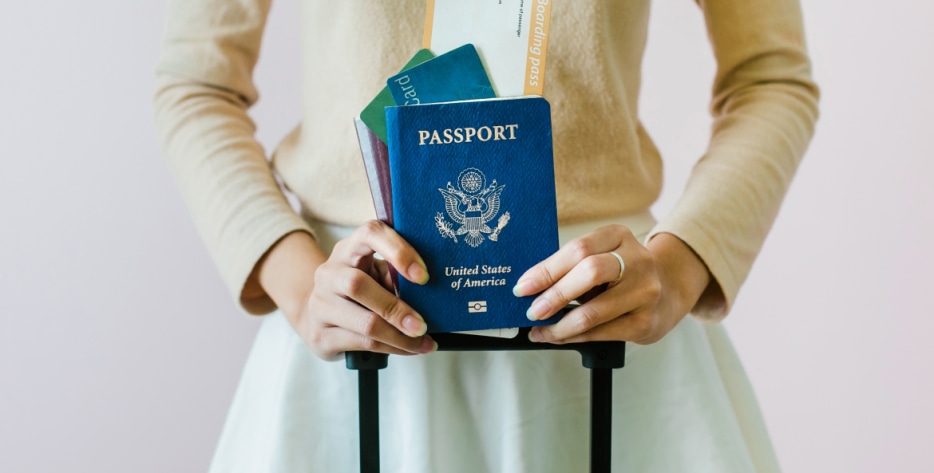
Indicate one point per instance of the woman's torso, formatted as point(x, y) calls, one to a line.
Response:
point(605, 163)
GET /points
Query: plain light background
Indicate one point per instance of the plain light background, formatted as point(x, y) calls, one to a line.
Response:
point(120, 349)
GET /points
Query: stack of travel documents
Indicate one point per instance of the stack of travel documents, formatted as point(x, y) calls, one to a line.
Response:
point(458, 154)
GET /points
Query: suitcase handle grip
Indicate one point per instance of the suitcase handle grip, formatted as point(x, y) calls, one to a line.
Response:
point(593, 354)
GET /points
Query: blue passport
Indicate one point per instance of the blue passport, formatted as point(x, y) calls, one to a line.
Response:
point(455, 75)
point(473, 190)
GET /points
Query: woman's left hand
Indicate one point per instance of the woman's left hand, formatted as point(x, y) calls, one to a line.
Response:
point(644, 297)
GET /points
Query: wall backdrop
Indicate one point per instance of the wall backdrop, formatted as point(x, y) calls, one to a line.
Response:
point(120, 350)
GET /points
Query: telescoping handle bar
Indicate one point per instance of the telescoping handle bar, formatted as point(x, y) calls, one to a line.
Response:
point(600, 357)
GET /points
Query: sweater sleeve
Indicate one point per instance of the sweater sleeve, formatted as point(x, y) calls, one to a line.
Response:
point(204, 87)
point(764, 107)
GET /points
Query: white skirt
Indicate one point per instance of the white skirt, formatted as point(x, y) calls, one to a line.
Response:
point(683, 404)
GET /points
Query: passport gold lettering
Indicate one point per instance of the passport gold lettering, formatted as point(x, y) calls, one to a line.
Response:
point(484, 282)
point(422, 136)
point(476, 270)
point(467, 134)
point(495, 269)
point(480, 133)
point(461, 271)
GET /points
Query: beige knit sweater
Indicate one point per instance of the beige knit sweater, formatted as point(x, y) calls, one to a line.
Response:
point(764, 104)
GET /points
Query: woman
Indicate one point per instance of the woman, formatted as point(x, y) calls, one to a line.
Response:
point(681, 404)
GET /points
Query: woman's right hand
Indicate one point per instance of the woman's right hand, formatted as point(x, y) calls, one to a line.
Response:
point(348, 303)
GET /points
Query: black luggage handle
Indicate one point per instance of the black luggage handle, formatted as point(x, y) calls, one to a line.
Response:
point(600, 357)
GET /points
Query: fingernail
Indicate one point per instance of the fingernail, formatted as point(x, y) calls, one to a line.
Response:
point(414, 326)
point(539, 309)
point(429, 346)
point(535, 335)
point(522, 288)
point(418, 273)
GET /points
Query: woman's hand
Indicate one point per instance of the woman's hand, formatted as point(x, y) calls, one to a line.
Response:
point(641, 302)
point(348, 303)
